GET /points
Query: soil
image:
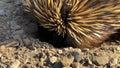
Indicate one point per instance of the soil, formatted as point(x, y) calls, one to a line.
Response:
point(22, 45)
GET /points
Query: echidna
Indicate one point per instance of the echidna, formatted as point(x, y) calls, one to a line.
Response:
point(84, 23)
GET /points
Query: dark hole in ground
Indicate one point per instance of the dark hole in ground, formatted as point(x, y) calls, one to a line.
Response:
point(115, 37)
point(51, 37)
point(43, 34)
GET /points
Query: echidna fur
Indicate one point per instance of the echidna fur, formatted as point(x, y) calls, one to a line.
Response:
point(83, 23)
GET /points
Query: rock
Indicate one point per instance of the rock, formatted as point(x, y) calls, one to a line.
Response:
point(65, 49)
point(70, 48)
point(53, 59)
point(76, 55)
point(67, 67)
point(113, 61)
point(41, 63)
point(96, 54)
point(89, 61)
point(118, 66)
point(15, 64)
point(101, 67)
point(27, 42)
point(1, 54)
point(100, 60)
point(92, 66)
point(113, 67)
point(3, 65)
point(13, 25)
point(12, 44)
point(57, 65)
point(18, 38)
point(67, 60)
point(19, 32)
point(60, 51)
point(2, 12)
point(18, 2)
point(76, 65)
point(16, 27)
point(85, 50)
point(118, 48)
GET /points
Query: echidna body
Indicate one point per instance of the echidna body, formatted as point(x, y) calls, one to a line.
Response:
point(85, 23)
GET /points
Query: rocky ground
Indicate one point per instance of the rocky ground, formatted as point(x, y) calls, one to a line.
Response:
point(21, 48)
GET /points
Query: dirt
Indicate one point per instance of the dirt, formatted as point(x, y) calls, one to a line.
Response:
point(20, 46)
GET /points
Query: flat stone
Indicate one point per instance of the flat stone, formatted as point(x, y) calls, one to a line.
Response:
point(3, 65)
point(15, 64)
point(18, 32)
point(118, 66)
point(101, 60)
point(18, 38)
point(27, 42)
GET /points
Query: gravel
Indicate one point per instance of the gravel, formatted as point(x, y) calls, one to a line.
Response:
point(15, 55)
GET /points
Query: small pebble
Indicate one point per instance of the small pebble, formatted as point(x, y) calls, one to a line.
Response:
point(76, 65)
point(2, 12)
point(76, 56)
point(118, 66)
point(3, 65)
point(27, 42)
point(89, 61)
point(118, 48)
point(60, 51)
point(65, 49)
point(53, 59)
point(67, 60)
point(102, 60)
point(67, 67)
point(113, 61)
point(85, 50)
point(15, 64)
point(57, 65)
